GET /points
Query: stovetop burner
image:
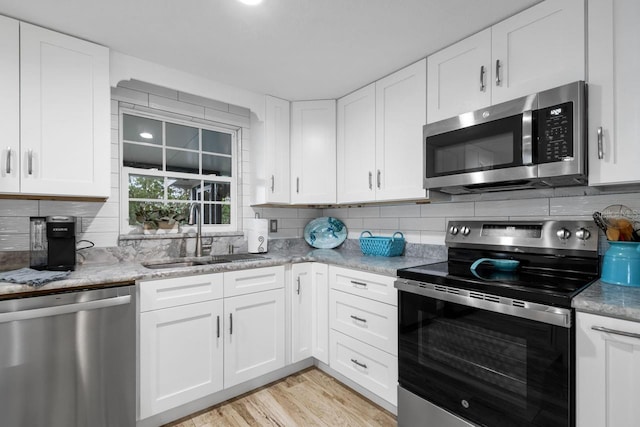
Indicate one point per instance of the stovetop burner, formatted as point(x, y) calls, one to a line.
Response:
point(557, 260)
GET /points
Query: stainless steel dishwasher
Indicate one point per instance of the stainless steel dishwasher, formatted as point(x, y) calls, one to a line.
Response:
point(68, 359)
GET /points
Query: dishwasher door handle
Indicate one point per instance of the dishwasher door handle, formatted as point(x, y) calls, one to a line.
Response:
point(63, 309)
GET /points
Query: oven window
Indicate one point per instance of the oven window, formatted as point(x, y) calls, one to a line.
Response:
point(486, 146)
point(490, 368)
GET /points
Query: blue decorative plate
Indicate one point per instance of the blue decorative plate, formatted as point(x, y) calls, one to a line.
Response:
point(325, 232)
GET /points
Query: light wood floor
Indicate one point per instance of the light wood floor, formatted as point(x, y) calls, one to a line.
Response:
point(307, 398)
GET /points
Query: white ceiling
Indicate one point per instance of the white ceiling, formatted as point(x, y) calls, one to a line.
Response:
point(293, 49)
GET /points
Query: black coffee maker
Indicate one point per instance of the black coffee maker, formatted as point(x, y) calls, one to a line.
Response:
point(60, 243)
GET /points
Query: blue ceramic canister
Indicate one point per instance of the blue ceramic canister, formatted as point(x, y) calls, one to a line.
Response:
point(621, 264)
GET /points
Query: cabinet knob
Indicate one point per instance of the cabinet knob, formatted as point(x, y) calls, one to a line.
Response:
point(465, 231)
point(583, 234)
point(563, 234)
point(453, 230)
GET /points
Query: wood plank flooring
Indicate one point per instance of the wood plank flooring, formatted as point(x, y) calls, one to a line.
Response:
point(307, 398)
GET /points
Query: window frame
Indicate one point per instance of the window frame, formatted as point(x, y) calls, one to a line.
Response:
point(125, 171)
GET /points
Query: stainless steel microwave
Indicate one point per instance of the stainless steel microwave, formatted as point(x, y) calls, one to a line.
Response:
point(537, 141)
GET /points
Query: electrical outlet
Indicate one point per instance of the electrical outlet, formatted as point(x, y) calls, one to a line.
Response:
point(273, 226)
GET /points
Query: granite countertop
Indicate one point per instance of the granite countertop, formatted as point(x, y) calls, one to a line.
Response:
point(113, 273)
point(610, 300)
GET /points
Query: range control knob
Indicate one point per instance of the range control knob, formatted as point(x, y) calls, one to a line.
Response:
point(563, 234)
point(465, 231)
point(583, 234)
point(453, 230)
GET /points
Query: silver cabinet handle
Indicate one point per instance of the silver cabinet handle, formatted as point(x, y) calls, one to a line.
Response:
point(498, 81)
point(8, 160)
point(298, 288)
point(615, 332)
point(64, 309)
point(218, 326)
point(358, 319)
point(600, 147)
point(353, 282)
point(370, 181)
point(298, 185)
point(362, 365)
point(378, 178)
point(273, 183)
point(230, 323)
point(527, 137)
point(482, 85)
point(30, 162)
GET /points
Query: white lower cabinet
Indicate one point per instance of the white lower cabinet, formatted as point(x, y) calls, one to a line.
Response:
point(607, 371)
point(363, 316)
point(254, 335)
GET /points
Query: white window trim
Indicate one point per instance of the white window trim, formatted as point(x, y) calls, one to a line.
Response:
point(236, 135)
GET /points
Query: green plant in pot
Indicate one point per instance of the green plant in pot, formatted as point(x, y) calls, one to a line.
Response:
point(159, 216)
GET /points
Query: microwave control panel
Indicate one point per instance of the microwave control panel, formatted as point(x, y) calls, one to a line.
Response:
point(555, 133)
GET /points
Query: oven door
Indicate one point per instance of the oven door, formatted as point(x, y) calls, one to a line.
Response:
point(490, 368)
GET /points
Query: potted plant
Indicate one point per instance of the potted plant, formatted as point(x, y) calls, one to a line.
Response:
point(160, 218)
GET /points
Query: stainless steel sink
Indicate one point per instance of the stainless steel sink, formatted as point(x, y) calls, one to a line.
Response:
point(214, 259)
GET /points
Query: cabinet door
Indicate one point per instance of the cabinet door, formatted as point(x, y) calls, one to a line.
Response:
point(320, 311)
point(181, 355)
point(9, 105)
point(276, 150)
point(313, 152)
point(65, 115)
point(608, 371)
point(538, 49)
point(614, 66)
point(356, 145)
point(401, 102)
point(301, 311)
point(254, 336)
point(459, 78)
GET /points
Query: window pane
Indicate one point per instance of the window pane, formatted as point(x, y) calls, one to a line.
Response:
point(146, 187)
point(141, 156)
point(140, 212)
point(183, 189)
point(153, 212)
point(216, 165)
point(182, 161)
point(217, 214)
point(216, 142)
point(141, 129)
point(216, 191)
point(182, 136)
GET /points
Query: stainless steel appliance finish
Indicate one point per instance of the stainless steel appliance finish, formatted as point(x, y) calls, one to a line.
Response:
point(490, 346)
point(537, 141)
point(68, 360)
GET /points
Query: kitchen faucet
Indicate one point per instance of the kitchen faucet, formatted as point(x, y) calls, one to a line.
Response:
point(195, 217)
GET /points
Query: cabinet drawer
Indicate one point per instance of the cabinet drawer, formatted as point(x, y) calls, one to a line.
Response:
point(369, 285)
point(248, 281)
point(369, 321)
point(373, 369)
point(164, 293)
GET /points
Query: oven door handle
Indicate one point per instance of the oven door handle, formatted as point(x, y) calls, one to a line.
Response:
point(527, 310)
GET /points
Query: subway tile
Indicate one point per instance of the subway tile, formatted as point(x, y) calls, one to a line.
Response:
point(114, 106)
point(14, 224)
point(202, 101)
point(353, 223)
point(14, 242)
point(368, 212)
point(587, 205)
point(100, 225)
point(100, 240)
point(292, 223)
point(124, 94)
point(115, 122)
point(431, 224)
point(380, 223)
point(447, 210)
point(432, 238)
point(149, 88)
point(522, 207)
point(400, 211)
point(175, 106)
point(115, 136)
point(11, 207)
point(286, 233)
point(240, 111)
point(310, 213)
point(115, 152)
point(336, 213)
point(412, 236)
point(277, 213)
point(79, 209)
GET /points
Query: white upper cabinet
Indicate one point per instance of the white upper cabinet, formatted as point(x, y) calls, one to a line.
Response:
point(613, 70)
point(275, 154)
point(380, 138)
point(313, 151)
point(459, 77)
point(64, 115)
point(537, 49)
point(356, 145)
point(10, 105)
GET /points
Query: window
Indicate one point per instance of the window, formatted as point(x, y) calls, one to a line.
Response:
point(169, 165)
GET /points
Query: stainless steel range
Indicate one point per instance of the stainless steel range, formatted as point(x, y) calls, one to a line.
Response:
point(487, 337)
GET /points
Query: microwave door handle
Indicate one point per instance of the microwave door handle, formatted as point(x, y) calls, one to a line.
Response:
point(527, 137)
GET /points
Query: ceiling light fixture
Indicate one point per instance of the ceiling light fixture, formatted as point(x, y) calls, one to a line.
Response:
point(146, 135)
point(251, 2)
